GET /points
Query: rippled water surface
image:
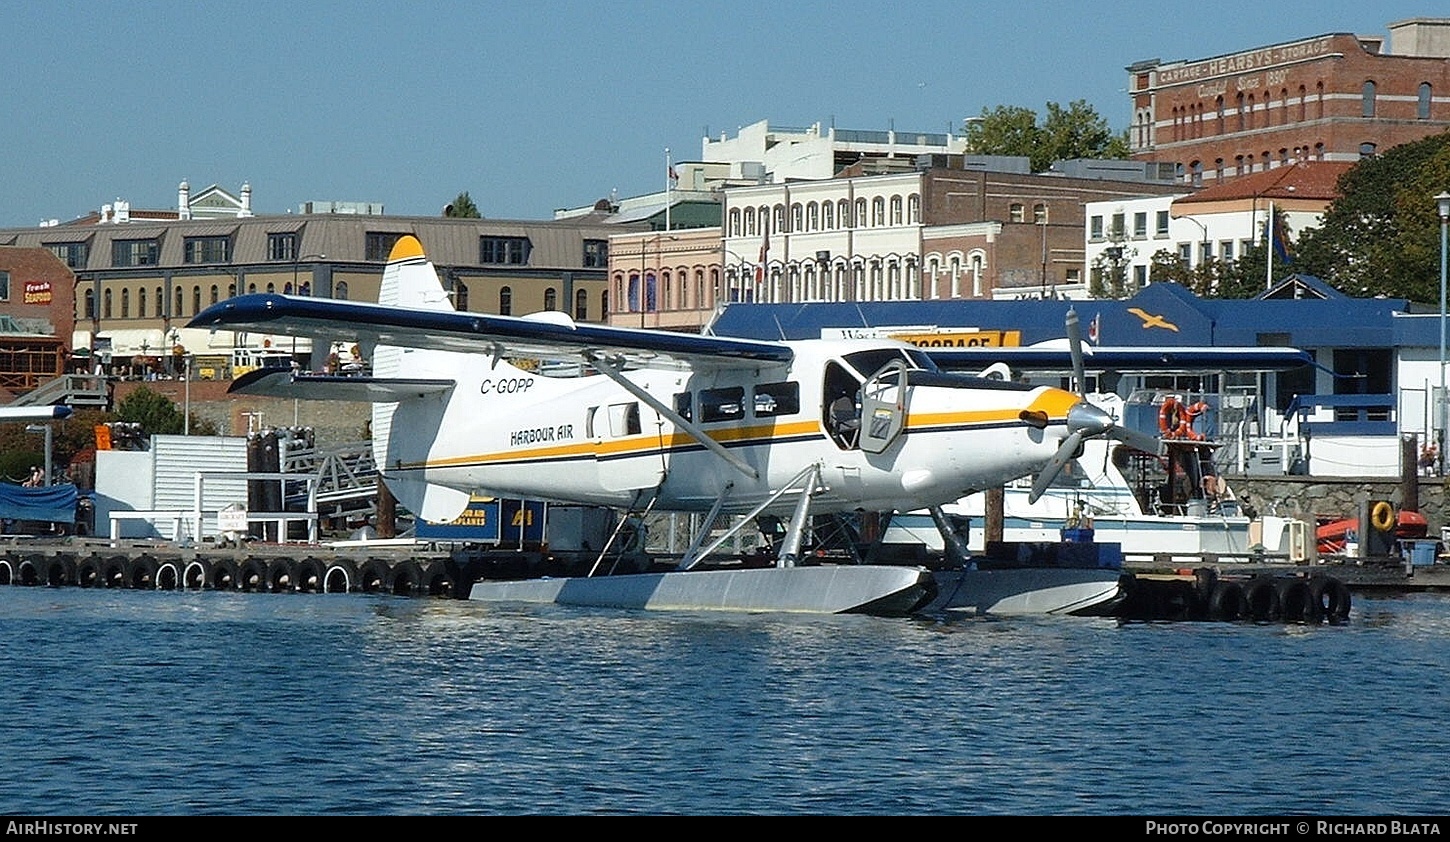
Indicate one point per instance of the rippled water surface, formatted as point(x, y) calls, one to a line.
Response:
point(140, 703)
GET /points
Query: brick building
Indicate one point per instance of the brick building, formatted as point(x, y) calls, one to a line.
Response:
point(1333, 97)
point(37, 315)
point(1001, 234)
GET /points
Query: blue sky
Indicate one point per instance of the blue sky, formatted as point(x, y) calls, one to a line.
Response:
point(532, 106)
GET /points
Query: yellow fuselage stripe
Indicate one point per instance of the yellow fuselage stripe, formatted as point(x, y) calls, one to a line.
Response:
point(1054, 403)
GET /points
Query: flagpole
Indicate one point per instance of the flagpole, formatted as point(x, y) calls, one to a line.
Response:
point(669, 185)
point(1269, 249)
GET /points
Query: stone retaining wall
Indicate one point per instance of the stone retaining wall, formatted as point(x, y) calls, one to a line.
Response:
point(1341, 496)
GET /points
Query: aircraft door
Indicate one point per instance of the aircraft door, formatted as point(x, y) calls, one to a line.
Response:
point(616, 430)
point(883, 407)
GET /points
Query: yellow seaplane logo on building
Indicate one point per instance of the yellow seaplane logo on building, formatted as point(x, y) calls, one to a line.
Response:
point(1150, 320)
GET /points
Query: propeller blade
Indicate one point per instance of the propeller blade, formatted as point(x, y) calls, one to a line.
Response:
point(1054, 465)
point(1074, 345)
point(1136, 440)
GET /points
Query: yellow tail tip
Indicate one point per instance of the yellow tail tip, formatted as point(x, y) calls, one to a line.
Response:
point(406, 248)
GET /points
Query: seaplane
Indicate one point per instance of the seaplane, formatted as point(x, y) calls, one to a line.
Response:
point(467, 404)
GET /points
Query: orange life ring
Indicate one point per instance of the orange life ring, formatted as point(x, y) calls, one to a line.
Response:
point(1175, 418)
point(1190, 414)
point(1170, 416)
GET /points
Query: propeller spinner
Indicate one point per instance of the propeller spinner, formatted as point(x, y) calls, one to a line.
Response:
point(1084, 420)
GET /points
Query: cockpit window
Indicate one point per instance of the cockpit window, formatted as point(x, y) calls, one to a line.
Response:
point(867, 363)
point(921, 359)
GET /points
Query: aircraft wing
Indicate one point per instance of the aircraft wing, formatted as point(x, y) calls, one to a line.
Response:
point(545, 336)
point(1123, 358)
point(284, 383)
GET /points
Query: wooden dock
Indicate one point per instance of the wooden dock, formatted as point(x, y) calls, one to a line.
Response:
point(401, 568)
point(1389, 573)
point(1156, 587)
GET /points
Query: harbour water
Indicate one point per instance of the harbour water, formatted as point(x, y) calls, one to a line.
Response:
point(138, 703)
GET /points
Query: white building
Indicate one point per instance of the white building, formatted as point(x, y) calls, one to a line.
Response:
point(1221, 222)
point(815, 153)
point(841, 239)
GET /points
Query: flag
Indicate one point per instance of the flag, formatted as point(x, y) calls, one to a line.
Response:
point(1279, 235)
point(674, 176)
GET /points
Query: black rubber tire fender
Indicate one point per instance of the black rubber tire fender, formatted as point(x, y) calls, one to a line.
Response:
point(1297, 605)
point(1227, 601)
point(1262, 599)
point(1331, 596)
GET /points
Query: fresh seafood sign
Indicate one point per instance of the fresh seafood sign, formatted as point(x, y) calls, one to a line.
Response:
point(37, 292)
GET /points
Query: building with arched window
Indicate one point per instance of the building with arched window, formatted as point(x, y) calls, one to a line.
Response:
point(1333, 97)
point(138, 278)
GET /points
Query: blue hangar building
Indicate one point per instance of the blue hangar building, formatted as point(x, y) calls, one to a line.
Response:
point(1369, 372)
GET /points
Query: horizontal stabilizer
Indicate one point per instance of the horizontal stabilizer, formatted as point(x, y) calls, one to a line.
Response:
point(331, 387)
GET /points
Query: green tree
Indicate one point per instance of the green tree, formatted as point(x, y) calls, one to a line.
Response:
point(463, 208)
point(1109, 276)
point(1382, 235)
point(1005, 130)
point(1217, 278)
point(156, 413)
point(1075, 131)
point(20, 450)
point(1078, 132)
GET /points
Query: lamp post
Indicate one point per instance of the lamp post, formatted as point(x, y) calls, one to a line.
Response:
point(296, 261)
point(639, 290)
point(1443, 203)
point(186, 391)
point(43, 428)
point(1203, 244)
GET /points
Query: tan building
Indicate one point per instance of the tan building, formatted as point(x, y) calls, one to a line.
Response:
point(664, 279)
point(942, 232)
point(1333, 97)
point(136, 284)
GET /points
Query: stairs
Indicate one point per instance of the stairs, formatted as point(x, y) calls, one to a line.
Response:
point(74, 390)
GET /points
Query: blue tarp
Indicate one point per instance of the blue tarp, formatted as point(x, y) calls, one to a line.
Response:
point(50, 503)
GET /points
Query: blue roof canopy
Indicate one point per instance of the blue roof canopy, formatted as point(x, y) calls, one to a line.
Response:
point(1160, 315)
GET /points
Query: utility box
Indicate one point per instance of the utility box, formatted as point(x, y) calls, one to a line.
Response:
point(1420, 553)
point(579, 529)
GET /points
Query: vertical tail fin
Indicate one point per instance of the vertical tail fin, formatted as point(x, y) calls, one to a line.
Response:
point(410, 279)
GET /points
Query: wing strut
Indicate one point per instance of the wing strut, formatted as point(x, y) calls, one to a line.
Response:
point(611, 370)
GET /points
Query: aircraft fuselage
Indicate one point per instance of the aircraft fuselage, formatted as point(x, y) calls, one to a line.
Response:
point(508, 431)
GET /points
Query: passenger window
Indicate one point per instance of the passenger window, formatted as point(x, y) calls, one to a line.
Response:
point(777, 399)
point(624, 419)
point(722, 404)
